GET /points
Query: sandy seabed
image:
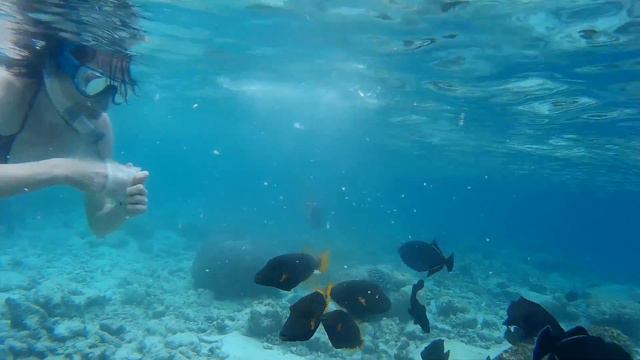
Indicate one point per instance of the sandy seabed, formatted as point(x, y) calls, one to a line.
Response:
point(78, 299)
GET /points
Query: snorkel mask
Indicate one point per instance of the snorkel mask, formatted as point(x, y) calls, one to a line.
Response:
point(97, 91)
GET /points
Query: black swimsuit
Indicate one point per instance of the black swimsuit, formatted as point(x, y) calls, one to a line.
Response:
point(6, 142)
point(5, 147)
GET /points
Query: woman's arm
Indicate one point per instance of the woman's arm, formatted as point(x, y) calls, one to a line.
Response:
point(87, 176)
point(20, 178)
point(104, 214)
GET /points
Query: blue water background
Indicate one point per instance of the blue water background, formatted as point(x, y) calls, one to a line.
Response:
point(245, 115)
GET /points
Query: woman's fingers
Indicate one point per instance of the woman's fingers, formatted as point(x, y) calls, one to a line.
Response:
point(137, 190)
point(137, 195)
point(136, 209)
point(140, 177)
point(137, 200)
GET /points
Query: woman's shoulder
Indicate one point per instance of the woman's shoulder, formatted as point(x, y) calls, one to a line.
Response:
point(15, 93)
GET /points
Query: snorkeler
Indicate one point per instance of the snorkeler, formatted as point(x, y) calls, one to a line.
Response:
point(54, 127)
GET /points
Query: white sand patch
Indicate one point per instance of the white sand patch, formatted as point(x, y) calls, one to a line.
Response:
point(240, 347)
point(463, 351)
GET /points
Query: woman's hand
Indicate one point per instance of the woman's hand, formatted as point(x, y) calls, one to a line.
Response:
point(122, 196)
point(84, 175)
point(125, 184)
point(137, 198)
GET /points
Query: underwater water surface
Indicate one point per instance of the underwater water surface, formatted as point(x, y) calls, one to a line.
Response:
point(507, 130)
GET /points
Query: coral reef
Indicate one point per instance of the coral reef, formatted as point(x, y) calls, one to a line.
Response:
point(265, 319)
point(623, 316)
point(520, 352)
point(126, 303)
point(616, 336)
point(447, 308)
point(387, 279)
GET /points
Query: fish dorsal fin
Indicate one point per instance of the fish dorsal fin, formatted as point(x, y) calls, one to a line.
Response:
point(327, 295)
point(573, 333)
point(576, 331)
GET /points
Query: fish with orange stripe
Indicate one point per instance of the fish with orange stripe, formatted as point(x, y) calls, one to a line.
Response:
point(287, 271)
point(305, 316)
point(361, 298)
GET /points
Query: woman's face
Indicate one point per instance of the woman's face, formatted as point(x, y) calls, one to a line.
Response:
point(93, 107)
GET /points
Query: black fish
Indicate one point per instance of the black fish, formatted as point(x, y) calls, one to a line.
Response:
point(418, 311)
point(304, 317)
point(361, 298)
point(576, 344)
point(285, 272)
point(435, 351)
point(528, 318)
point(342, 330)
point(422, 256)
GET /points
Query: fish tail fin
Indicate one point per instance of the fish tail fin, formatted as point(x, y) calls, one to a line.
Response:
point(449, 263)
point(544, 344)
point(324, 262)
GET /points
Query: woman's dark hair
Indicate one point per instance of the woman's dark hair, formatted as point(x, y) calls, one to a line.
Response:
point(41, 28)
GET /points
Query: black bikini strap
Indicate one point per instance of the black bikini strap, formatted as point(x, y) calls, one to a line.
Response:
point(6, 142)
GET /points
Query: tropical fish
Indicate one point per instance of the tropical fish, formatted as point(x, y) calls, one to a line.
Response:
point(422, 256)
point(361, 298)
point(342, 330)
point(576, 344)
point(305, 316)
point(435, 351)
point(418, 311)
point(285, 272)
point(528, 318)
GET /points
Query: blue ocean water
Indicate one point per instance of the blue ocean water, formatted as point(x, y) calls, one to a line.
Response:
point(507, 130)
point(523, 128)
